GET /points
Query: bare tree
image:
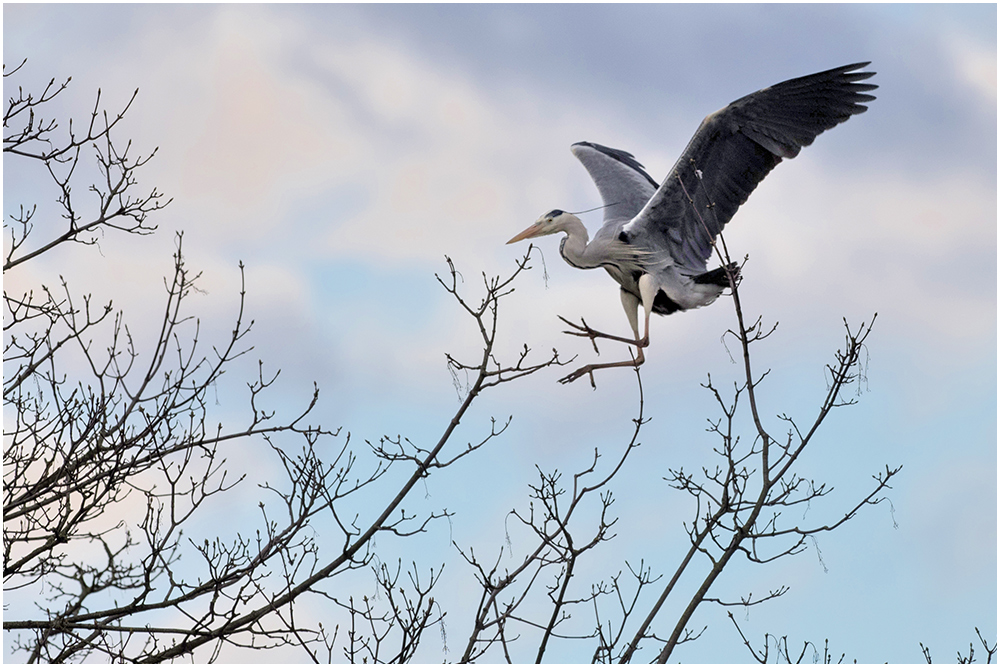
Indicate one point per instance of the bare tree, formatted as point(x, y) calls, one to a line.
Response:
point(738, 507)
point(111, 459)
point(106, 468)
point(737, 510)
point(551, 525)
point(738, 504)
point(991, 651)
point(782, 652)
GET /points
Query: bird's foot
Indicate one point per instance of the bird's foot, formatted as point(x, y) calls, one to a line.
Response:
point(579, 373)
point(584, 331)
point(589, 369)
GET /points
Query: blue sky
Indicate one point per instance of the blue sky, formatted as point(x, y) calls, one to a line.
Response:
point(342, 151)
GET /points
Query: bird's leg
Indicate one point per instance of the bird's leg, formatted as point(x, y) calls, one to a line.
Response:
point(585, 331)
point(631, 305)
point(590, 368)
point(648, 289)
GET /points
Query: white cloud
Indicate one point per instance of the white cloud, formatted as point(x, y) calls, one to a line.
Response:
point(975, 65)
point(296, 150)
point(435, 162)
point(915, 248)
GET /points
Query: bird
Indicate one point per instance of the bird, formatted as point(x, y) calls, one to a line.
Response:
point(657, 238)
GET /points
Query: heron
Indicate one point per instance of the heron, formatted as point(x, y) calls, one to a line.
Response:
point(656, 239)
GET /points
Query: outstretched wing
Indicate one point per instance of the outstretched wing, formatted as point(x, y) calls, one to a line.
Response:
point(734, 149)
point(624, 185)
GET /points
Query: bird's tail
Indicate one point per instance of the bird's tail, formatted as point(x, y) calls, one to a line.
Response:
point(717, 276)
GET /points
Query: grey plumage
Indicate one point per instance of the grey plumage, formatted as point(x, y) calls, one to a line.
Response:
point(735, 148)
point(656, 239)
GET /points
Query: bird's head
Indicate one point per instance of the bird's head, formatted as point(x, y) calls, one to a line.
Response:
point(550, 223)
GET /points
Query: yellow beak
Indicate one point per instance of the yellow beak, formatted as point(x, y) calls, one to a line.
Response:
point(527, 233)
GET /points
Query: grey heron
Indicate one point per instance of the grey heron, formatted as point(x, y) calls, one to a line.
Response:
point(657, 238)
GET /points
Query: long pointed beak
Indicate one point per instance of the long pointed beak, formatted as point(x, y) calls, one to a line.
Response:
point(527, 233)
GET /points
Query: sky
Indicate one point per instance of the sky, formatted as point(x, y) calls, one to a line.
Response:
point(342, 151)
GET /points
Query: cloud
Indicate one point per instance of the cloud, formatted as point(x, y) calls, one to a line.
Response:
point(297, 146)
point(974, 64)
point(449, 180)
point(341, 162)
point(917, 246)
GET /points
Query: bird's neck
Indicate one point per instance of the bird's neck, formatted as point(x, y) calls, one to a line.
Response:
point(574, 246)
